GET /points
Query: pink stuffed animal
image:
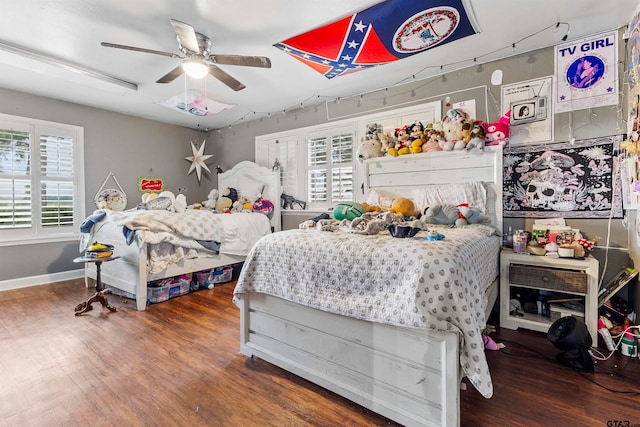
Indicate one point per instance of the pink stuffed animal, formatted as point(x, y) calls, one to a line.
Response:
point(498, 133)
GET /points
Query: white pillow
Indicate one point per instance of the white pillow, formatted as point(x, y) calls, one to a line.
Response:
point(473, 193)
point(251, 189)
point(381, 198)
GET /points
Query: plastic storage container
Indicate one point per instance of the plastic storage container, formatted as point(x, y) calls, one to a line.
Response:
point(170, 288)
point(221, 274)
point(202, 278)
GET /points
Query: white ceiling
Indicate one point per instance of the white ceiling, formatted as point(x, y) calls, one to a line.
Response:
point(72, 30)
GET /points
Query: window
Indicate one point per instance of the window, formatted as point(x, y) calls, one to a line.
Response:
point(330, 168)
point(317, 163)
point(41, 180)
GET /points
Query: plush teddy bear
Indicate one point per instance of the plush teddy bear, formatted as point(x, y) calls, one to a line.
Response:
point(212, 198)
point(370, 147)
point(226, 200)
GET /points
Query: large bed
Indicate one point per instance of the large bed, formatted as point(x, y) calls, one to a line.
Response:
point(155, 251)
point(392, 324)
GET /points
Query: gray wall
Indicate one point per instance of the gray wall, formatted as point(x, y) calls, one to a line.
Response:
point(237, 142)
point(128, 146)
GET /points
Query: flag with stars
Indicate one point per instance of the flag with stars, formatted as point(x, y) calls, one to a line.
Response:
point(386, 32)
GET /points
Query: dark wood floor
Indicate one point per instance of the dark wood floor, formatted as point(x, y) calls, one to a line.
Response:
point(178, 364)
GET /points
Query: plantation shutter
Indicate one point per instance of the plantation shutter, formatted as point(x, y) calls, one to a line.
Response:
point(41, 180)
point(15, 179)
point(56, 186)
point(330, 168)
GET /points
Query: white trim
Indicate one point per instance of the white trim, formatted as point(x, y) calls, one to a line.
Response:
point(25, 282)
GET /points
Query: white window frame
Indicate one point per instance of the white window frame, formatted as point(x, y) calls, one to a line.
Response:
point(328, 134)
point(266, 146)
point(37, 233)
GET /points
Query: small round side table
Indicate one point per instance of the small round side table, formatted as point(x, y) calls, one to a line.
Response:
point(100, 295)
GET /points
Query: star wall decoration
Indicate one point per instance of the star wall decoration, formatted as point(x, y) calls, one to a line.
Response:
point(198, 159)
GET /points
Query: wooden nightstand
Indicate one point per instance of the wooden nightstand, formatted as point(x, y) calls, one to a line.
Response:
point(555, 278)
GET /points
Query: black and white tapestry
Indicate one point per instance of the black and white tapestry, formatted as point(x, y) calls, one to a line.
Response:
point(570, 180)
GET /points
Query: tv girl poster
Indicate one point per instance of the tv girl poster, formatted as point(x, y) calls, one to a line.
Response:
point(587, 73)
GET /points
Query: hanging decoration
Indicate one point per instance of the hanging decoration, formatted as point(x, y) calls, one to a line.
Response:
point(571, 180)
point(386, 32)
point(195, 103)
point(198, 159)
point(634, 51)
point(587, 73)
point(150, 184)
point(111, 198)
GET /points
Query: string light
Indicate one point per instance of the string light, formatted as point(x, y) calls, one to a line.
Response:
point(531, 59)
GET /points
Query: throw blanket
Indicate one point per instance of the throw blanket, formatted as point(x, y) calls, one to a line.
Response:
point(409, 282)
point(172, 237)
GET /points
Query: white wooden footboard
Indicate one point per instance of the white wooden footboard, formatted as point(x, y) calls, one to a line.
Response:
point(408, 375)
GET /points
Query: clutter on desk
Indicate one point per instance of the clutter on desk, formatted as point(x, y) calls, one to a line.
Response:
point(551, 237)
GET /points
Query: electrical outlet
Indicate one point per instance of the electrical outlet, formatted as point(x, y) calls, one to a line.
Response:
point(182, 189)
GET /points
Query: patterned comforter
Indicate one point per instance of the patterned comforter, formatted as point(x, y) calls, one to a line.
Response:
point(411, 282)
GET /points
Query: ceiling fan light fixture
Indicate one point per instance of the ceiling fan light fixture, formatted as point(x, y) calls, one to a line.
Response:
point(195, 68)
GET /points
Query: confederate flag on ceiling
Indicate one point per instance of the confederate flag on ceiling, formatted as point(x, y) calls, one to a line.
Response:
point(386, 32)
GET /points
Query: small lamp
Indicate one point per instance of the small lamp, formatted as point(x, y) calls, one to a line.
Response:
point(195, 68)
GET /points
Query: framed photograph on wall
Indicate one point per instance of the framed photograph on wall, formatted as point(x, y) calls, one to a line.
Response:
point(531, 118)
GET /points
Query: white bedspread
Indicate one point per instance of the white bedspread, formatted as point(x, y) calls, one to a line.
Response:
point(405, 282)
point(174, 236)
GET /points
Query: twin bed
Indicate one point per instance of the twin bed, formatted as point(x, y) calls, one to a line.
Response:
point(391, 324)
point(167, 244)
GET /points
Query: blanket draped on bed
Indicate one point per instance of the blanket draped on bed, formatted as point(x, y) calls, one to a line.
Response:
point(413, 282)
point(175, 236)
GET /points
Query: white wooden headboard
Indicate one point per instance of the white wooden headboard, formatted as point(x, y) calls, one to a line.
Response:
point(400, 175)
point(249, 178)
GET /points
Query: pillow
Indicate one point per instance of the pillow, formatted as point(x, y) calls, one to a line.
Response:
point(251, 189)
point(473, 193)
point(381, 198)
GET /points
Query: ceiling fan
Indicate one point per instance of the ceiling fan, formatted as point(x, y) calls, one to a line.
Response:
point(198, 59)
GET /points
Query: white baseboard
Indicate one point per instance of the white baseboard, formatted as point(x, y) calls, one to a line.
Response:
point(24, 282)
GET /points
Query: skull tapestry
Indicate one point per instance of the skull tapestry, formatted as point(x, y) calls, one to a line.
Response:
point(572, 180)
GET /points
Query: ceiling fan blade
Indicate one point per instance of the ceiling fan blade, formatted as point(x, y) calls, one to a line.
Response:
point(225, 78)
point(171, 75)
point(249, 61)
point(186, 35)
point(140, 49)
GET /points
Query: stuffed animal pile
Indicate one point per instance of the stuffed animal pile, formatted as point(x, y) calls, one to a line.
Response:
point(456, 131)
point(165, 200)
point(230, 200)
